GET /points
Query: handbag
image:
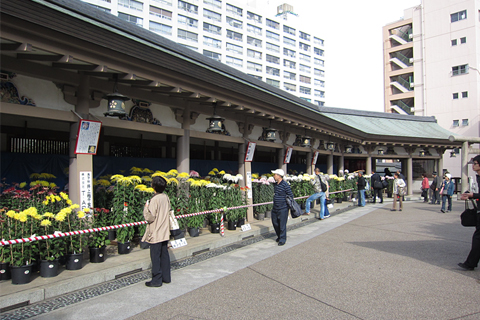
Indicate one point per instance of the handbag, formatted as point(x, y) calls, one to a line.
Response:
point(424, 193)
point(385, 183)
point(377, 185)
point(173, 221)
point(469, 217)
point(294, 207)
point(401, 191)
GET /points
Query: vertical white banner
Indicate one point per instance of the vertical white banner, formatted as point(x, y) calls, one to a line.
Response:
point(249, 184)
point(86, 190)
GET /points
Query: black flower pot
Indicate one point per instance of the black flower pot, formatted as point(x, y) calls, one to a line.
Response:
point(74, 261)
point(49, 269)
point(260, 216)
point(215, 227)
point(240, 222)
point(98, 255)
point(22, 274)
point(112, 235)
point(339, 200)
point(5, 271)
point(124, 248)
point(302, 205)
point(268, 214)
point(232, 225)
point(193, 232)
point(177, 234)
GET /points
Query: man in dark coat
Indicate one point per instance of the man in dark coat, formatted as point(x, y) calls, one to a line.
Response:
point(361, 183)
point(435, 188)
point(377, 187)
point(474, 255)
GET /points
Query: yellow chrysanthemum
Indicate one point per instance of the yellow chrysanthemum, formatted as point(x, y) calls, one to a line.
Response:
point(150, 190)
point(215, 170)
point(172, 180)
point(34, 183)
point(48, 215)
point(22, 185)
point(159, 174)
point(60, 217)
point(87, 210)
point(183, 175)
point(45, 223)
point(74, 206)
point(211, 173)
point(45, 202)
point(146, 170)
point(255, 176)
point(35, 176)
point(81, 214)
point(116, 177)
point(140, 187)
point(44, 183)
point(31, 211)
point(37, 217)
point(147, 178)
point(103, 182)
point(69, 202)
point(135, 179)
point(222, 172)
point(64, 195)
point(57, 198)
point(23, 218)
point(10, 213)
point(135, 170)
point(52, 185)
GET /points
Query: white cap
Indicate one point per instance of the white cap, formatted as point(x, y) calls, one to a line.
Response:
point(280, 172)
point(448, 175)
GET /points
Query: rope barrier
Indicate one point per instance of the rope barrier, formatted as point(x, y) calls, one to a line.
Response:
point(131, 224)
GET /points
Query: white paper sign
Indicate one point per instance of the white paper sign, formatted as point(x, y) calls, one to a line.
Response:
point(178, 243)
point(250, 151)
point(87, 137)
point(246, 227)
point(249, 185)
point(288, 155)
point(86, 190)
point(315, 157)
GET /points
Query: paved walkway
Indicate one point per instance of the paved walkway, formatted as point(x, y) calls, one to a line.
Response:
point(365, 263)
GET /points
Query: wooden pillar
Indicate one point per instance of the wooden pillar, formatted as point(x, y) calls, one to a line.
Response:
point(330, 163)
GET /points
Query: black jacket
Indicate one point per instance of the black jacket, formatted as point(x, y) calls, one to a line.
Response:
point(361, 183)
point(376, 178)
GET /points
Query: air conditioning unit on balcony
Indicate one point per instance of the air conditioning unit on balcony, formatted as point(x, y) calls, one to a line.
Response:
point(412, 84)
point(410, 36)
point(410, 60)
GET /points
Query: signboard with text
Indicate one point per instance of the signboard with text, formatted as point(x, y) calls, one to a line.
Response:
point(288, 155)
point(315, 157)
point(87, 137)
point(86, 190)
point(250, 151)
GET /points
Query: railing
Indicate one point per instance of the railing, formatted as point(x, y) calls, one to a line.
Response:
point(402, 58)
point(404, 83)
point(405, 107)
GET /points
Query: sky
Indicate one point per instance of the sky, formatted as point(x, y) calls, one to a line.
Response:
point(352, 31)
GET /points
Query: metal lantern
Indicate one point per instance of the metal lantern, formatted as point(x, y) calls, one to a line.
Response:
point(381, 152)
point(215, 124)
point(330, 146)
point(116, 104)
point(421, 153)
point(306, 141)
point(348, 149)
point(271, 134)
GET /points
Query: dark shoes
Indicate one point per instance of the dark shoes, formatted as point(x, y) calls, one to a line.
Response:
point(464, 266)
point(149, 284)
point(393, 209)
point(278, 239)
point(281, 243)
point(442, 210)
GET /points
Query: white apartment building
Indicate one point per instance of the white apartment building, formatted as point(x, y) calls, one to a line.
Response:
point(432, 67)
point(266, 45)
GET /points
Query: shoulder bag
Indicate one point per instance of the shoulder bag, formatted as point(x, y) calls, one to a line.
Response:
point(469, 217)
point(294, 207)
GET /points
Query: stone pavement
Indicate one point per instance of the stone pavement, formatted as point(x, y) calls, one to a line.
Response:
point(365, 263)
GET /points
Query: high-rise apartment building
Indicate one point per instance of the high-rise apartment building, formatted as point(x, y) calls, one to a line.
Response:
point(269, 46)
point(432, 66)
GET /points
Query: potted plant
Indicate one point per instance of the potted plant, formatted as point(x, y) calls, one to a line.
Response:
point(98, 241)
point(74, 244)
point(50, 249)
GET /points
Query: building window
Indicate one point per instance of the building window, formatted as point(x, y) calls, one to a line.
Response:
point(454, 42)
point(132, 19)
point(318, 41)
point(254, 42)
point(288, 30)
point(255, 17)
point(234, 48)
point(235, 23)
point(465, 94)
point(305, 68)
point(256, 77)
point(234, 61)
point(212, 15)
point(211, 28)
point(457, 70)
point(185, 6)
point(160, 28)
point(234, 35)
point(253, 29)
point(305, 79)
point(161, 13)
point(319, 62)
point(273, 71)
point(457, 16)
point(274, 83)
point(290, 64)
point(190, 22)
point(272, 35)
point(212, 42)
point(319, 103)
point(166, 2)
point(319, 83)
point(304, 36)
point(290, 87)
point(464, 122)
point(289, 75)
point(318, 52)
point(304, 46)
point(234, 10)
point(455, 123)
point(273, 24)
point(131, 4)
point(273, 59)
point(455, 95)
point(289, 41)
point(463, 40)
point(305, 90)
point(272, 47)
point(289, 52)
point(319, 93)
point(254, 66)
point(187, 35)
point(213, 3)
point(306, 99)
point(254, 54)
point(212, 55)
point(305, 57)
point(101, 8)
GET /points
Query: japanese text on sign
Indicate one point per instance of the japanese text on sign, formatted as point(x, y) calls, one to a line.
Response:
point(86, 190)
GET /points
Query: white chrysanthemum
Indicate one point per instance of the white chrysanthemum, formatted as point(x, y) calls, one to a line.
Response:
point(211, 185)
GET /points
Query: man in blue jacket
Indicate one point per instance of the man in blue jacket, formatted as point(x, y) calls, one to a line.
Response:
point(280, 208)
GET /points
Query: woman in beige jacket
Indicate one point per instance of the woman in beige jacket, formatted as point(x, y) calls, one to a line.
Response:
point(157, 234)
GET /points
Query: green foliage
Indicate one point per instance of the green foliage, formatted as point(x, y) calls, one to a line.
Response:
point(100, 218)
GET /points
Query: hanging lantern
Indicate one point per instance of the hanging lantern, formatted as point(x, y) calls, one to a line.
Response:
point(348, 149)
point(381, 152)
point(215, 124)
point(271, 134)
point(306, 141)
point(116, 105)
point(421, 153)
point(330, 146)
